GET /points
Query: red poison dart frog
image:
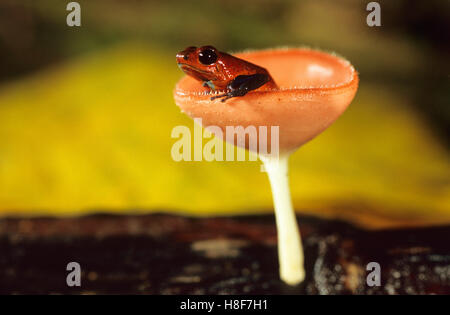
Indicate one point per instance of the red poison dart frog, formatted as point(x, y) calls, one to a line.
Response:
point(221, 71)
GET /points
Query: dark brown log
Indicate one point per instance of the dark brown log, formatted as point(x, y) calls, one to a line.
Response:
point(167, 254)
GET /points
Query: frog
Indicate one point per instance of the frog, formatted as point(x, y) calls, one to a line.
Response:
point(220, 71)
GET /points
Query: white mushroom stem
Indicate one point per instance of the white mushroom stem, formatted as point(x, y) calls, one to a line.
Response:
point(290, 250)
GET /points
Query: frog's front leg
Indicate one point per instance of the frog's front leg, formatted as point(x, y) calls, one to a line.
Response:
point(243, 84)
point(209, 84)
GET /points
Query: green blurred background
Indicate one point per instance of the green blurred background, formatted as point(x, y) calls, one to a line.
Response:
point(86, 112)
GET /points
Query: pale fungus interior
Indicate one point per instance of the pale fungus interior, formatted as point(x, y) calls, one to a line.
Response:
point(303, 68)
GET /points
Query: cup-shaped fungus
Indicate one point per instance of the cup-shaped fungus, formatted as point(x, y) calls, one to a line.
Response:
point(312, 90)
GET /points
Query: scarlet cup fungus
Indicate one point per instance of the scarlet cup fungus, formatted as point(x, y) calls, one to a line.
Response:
point(314, 89)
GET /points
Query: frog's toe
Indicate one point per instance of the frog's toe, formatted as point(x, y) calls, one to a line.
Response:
point(210, 85)
point(224, 97)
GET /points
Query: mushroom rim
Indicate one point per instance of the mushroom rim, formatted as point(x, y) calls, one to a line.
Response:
point(325, 89)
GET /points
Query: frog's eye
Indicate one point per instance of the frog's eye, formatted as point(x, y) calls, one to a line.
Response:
point(207, 56)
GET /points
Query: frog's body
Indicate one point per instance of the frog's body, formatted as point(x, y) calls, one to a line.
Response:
point(222, 71)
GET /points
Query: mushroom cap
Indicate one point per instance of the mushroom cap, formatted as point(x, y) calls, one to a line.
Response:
point(314, 90)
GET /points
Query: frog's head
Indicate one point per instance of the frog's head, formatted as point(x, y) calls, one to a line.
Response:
point(199, 62)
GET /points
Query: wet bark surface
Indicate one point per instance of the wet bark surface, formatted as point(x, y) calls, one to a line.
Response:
point(168, 254)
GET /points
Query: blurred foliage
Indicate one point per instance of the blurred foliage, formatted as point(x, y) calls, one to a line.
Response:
point(85, 118)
